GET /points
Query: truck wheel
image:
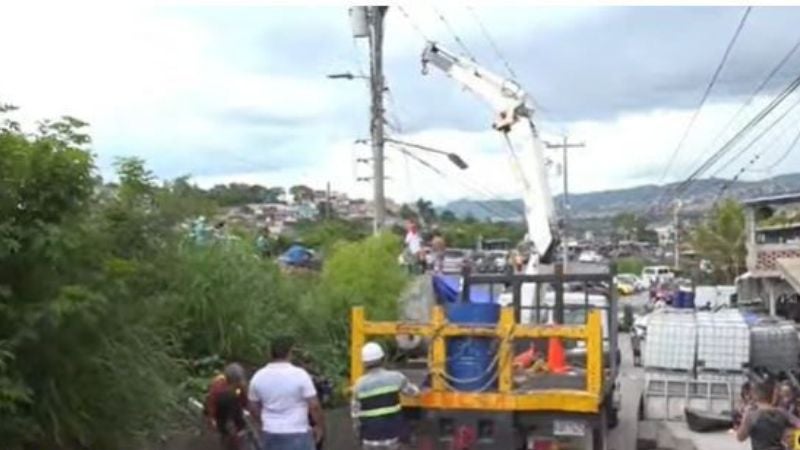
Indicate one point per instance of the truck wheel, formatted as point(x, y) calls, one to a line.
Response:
point(599, 435)
point(613, 418)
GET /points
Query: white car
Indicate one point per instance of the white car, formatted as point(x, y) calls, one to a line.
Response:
point(453, 260)
point(657, 274)
point(590, 256)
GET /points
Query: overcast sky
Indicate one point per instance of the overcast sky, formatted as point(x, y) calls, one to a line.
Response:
point(240, 93)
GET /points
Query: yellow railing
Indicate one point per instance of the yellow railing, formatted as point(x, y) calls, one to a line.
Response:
point(505, 398)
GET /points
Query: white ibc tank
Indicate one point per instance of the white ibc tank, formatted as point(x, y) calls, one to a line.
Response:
point(723, 341)
point(671, 340)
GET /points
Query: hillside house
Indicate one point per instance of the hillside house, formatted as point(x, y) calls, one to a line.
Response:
point(773, 250)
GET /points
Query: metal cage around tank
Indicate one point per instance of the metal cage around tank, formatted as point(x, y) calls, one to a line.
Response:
point(589, 400)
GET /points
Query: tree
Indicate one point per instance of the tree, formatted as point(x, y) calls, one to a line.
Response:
point(447, 216)
point(721, 240)
point(301, 193)
point(426, 211)
point(631, 227)
point(407, 213)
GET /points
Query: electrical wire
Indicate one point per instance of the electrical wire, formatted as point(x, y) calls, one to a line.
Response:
point(707, 92)
point(414, 24)
point(757, 138)
point(786, 153)
point(456, 38)
point(725, 148)
point(753, 161)
point(489, 209)
point(754, 94)
point(493, 44)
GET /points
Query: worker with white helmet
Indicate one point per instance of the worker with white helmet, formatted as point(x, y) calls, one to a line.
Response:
point(376, 410)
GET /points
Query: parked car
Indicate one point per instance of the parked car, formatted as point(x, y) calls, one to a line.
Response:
point(499, 259)
point(590, 256)
point(657, 274)
point(631, 280)
point(453, 260)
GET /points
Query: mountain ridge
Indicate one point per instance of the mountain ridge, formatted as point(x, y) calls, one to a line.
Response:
point(700, 196)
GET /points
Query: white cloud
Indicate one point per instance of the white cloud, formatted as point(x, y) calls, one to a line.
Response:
point(157, 82)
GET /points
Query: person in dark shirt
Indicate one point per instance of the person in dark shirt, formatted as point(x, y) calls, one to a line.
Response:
point(225, 405)
point(765, 425)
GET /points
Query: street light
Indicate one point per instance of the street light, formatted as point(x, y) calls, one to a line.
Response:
point(346, 76)
point(454, 158)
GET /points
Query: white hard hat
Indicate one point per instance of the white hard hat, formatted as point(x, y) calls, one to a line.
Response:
point(371, 352)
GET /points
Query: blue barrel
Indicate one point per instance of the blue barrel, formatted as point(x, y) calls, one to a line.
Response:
point(684, 299)
point(470, 359)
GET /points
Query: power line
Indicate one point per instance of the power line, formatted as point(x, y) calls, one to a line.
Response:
point(706, 94)
point(493, 44)
point(755, 93)
point(757, 138)
point(456, 38)
point(754, 160)
point(441, 173)
point(414, 24)
point(725, 148)
point(786, 153)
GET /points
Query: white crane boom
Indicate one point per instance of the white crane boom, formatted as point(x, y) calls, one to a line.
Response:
point(514, 121)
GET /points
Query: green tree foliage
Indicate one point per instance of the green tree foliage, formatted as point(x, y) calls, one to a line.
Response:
point(426, 211)
point(448, 216)
point(236, 194)
point(632, 227)
point(465, 234)
point(105, 305)
point(301, 193)
point(363, 273)
point(323, 235)
point(721, 240)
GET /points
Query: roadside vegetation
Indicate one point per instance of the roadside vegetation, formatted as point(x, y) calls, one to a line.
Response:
point(110, 318)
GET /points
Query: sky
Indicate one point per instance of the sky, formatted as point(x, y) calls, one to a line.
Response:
point(240, 93)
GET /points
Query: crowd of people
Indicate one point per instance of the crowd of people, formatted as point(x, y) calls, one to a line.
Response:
point(767, 415)
point(283, 401)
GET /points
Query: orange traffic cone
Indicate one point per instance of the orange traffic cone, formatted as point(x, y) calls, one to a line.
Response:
point(556, 358)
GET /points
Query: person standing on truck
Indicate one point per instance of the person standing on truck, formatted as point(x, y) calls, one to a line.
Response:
point(225, 404)
point(375, 407)
point(765, 425)
point(283, 396)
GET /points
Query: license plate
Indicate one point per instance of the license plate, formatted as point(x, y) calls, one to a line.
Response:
point(569, 428)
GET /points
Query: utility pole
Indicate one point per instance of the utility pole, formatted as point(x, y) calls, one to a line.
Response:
point(367, 21)
point(677, 225)
point(565, 146)
point(328, 201)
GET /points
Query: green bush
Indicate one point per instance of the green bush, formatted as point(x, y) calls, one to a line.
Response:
point(630, 265)
point(109, 318)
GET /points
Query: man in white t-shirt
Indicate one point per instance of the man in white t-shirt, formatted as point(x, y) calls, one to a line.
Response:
point(283, 396)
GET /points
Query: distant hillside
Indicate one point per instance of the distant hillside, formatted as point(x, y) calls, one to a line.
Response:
point(700, 196)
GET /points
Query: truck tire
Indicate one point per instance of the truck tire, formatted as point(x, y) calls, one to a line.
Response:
point(613, 418)
point(599, 434)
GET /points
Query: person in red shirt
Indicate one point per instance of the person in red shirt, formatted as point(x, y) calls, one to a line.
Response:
point(225, 405)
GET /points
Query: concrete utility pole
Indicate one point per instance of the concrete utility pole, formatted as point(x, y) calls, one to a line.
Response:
point(328, 201)
point(677, 225)
point(565, 146)
point(367, 21)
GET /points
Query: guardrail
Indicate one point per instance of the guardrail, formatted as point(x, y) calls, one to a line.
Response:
point(505, 398)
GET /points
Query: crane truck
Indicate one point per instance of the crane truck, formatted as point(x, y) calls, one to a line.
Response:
point(512, 408)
